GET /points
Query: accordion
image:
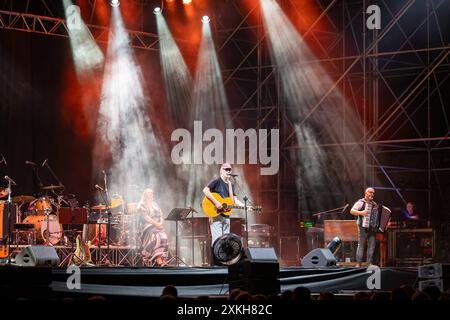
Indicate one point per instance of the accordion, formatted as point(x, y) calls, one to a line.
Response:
point(378, 217)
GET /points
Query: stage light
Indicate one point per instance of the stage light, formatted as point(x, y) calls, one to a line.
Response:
point(205, 19)
point(334, 245)
point(187, 1)
point(313, 101)
point(115, 3)
point(157, 10)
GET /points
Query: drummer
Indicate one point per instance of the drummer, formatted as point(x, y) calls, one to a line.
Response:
point(3, 192)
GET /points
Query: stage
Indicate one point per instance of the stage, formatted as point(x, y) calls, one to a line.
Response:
point(147, 141)
point(143, 283)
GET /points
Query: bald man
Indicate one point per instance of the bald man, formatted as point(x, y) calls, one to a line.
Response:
point(361, 209)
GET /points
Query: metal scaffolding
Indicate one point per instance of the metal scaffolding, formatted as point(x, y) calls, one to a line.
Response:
point(364, 64)
point(395, 78)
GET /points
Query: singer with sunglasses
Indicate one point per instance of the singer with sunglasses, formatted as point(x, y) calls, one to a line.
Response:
point(222, 185)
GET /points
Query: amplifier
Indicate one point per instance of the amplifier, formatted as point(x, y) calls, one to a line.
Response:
point(4, 226)
point(441, 284)
point(436, 274)
point(435, 270)
point(411, 244)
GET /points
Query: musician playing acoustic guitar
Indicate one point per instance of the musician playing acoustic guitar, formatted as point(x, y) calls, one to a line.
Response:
point(362, 209)
point(220, 224)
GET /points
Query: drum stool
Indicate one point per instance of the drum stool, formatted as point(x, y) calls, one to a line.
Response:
point(27, 230)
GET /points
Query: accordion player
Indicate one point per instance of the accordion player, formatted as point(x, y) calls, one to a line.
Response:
point(378, 217)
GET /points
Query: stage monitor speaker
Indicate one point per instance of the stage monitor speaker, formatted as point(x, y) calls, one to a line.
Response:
point(37, 256)
point(266, 255)
point(435, 270)
point(257, 272)
point(319, 258)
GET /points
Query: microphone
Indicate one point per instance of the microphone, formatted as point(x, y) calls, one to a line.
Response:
point(45, 161)
point(30, 163)
point(4, 160)
point(10, 180)
point(98, 187)
point(192, 209)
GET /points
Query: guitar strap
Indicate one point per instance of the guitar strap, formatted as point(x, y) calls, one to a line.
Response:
point(230, 191)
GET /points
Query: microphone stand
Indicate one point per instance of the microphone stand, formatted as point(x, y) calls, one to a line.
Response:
point(9, 221)
point(193, 233)
point(53, 174)
point(246, 199)
point(8, 205)
point(106, 199)
point(8, 202)
point(335, 210)
point(246, 220)
point(105, 184)
point(36, 174)
point(62, 186)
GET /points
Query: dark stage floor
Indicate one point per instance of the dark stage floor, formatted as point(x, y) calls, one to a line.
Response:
point(192, 282)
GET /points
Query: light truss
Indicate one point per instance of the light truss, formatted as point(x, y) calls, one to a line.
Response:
point(58, 27)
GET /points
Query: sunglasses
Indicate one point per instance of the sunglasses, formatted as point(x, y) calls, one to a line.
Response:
point(227, 169)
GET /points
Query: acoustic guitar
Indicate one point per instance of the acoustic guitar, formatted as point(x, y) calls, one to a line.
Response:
point(227, 206)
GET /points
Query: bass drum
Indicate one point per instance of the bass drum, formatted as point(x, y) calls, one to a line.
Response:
point(47, 228)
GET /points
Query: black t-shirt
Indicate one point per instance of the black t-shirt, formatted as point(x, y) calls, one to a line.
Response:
point(221, 187)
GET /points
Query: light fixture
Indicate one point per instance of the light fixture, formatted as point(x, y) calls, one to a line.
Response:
point(334, 245)
point(187, 1)
point(157, 10)
point(115, 3)
point(205, 19)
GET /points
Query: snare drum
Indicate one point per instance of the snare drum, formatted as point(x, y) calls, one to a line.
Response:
point(48, 229)
point(41, 206)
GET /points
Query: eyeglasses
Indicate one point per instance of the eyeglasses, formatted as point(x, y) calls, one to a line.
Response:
point(227, 169)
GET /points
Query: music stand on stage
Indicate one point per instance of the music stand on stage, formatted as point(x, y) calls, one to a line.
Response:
point(72, 216)
point(178, 214)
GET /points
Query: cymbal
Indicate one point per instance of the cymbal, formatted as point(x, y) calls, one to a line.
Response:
point(51, 187)
point(23, 198)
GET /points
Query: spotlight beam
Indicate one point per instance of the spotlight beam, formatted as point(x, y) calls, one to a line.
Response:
point(126, 142)
point(86, 54)
point(177, 78)
point(210, 106)
point(306, 86)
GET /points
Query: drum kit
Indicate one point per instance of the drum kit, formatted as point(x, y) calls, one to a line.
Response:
point(121, 218)
point(40, 217)
point(44, 217)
